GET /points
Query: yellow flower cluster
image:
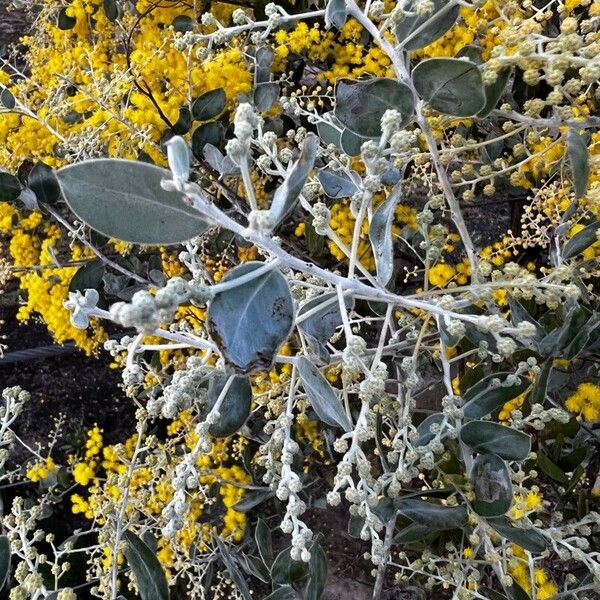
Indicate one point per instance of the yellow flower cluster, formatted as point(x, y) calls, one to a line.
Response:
point(585, 402)
point(342, 223)
point(475, 25)
point(91, 61)
point(350, 58)
point(41, 470)
point(150, 487)
point(525, 504)
point(519, 570)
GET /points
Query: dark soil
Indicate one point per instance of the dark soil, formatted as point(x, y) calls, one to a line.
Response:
point(84, 390)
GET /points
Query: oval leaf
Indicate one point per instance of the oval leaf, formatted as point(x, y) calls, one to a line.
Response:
point(149, 575)
point(434, 516)
point(578, 154)
point(42, 181)
point(207, 133)
point(123, 199)
point(321, 395)
point(530, 539)
point(336, 184)
point(481, 399)
point(265, 95)
point(380, 236)
point(288, 192)
point(486, 437)
point(10, 187)
point(492, 486)
point(235, 408)
point(419, 31)
point(450, 86)
point(209, 105)
point(326, 318)
point(359, 105)
point(251, 321)
point(582, 240)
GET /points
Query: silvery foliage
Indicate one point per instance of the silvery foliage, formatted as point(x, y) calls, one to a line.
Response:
point(261, 305)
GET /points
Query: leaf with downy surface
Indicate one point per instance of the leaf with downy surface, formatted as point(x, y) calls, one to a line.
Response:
point(252, 499)
point(123, 199)
point(208, 133)
point(336, 13)
point(336, 184)
point(235, 408)
point(579, 159)
point(483, 398)
point(321, 395)
point(265, 95)
point(487, 437)
point(494, 91)
point(251, 321)
point(317, 568)
point(288, 192)
point(209, 105)
point(149, 574)
point(450, 86)
point(582, 240)
point(433, 516)
point(415, 32)
point(530, 539)
point(42, 181)
point(359, 105)
point(492, 486)
point(232, 569)
point(89, 276)
point(380, 236)
point(10, 187)
point(264, 541)
point(325, 319)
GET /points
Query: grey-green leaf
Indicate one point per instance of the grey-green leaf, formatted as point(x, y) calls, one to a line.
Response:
point(232, 569)
point(42, 181)
point(530, 539)
point(123, 199)
point(380, 236)
point(582, 240)
point(325, 319)
point(492, 486)
point(209, 105)
point(336, 184)
point(483, 398)
point(487, 437)
point(251, 321)
point(6, 98)
point(450, 86)
point(423, 428)
point(321, 395)
point(264, 542)
point(435, 516)
point(579, 159)
point(494, 91)
point(235, 408)
point(10, 187)
point(265, 95)
point(288, 192)
point(317, 567)
point(336, 13)
point(149, 575)
point(359, 105)
point(285, 592)
point(4, 560)
point(416, 32)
